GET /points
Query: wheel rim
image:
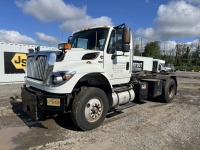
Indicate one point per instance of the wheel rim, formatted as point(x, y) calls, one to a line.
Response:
point(171, 91)
point(93, 110)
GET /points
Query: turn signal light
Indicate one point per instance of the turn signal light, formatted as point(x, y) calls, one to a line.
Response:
point(64, 46)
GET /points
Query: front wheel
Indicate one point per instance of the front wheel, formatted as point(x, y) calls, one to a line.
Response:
point(89, 108)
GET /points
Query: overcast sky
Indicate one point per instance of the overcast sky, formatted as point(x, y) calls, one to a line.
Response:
point(47, 22)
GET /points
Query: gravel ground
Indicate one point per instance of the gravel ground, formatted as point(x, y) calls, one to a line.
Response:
point(187, 74)
point(149, 125)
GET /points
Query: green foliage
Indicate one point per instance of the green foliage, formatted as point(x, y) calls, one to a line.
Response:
point(137, 51)
point(178, 54)
point(152, 49)
point(169, 59)
point(185, 58)
point(196, 56)
point(188, 68)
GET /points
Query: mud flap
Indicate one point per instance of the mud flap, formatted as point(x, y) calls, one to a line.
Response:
point(29, 104)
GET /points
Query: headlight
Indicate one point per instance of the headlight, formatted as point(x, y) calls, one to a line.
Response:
point(57, 80)
point(60, 78)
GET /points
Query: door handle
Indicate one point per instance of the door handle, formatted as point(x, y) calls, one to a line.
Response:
point(127, 65)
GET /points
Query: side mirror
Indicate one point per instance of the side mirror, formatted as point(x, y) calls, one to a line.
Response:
point(159, 68)
point(37, 49)
point(126, 39)
point(30, 50)
point(69, 39)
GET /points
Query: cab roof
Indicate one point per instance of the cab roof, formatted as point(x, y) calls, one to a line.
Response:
point(93, 28)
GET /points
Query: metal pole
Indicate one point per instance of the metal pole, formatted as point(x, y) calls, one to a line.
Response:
point(141, 46)
point(164, 50)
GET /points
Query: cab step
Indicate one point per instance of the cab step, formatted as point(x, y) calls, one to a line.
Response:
point(122, 107)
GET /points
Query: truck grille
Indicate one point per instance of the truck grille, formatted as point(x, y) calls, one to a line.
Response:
point(36, 67)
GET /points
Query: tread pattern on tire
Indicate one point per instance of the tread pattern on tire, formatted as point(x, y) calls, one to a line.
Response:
point(166, 85)
point(78, 120)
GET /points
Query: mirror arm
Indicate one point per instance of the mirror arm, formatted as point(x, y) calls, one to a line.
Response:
point(114, 56)
point(61, 56)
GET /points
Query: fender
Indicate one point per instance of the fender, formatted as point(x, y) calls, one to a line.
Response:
point(82, 69)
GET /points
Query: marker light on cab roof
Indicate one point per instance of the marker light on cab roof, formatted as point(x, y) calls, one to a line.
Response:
point(95, 27)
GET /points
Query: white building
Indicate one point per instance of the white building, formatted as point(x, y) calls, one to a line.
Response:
point(13, 61)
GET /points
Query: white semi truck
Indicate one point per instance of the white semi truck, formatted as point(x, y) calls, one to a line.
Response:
point(91, 75)
point(150, 64)
point(160, 66)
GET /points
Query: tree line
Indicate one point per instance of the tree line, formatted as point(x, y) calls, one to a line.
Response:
point(184, 57)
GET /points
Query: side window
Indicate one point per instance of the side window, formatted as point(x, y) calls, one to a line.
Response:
point(119, 40)
point(101, 43)
point(115, 42)
point(74, 43)
point(82, 43)
point(111, 44)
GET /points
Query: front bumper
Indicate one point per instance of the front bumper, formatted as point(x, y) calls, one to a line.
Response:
point(35, 101)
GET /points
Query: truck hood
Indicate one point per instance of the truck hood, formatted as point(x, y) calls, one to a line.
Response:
point(81, 61)
point(76, 54)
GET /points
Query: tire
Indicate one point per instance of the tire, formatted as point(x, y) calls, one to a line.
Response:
point(169, 90)
point(89, 108)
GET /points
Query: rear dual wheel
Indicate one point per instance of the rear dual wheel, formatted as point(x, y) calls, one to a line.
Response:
point(169, 90)
point(89, 108)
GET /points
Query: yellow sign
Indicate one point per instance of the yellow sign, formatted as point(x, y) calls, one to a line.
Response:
point(19, 61)
point(53, 102)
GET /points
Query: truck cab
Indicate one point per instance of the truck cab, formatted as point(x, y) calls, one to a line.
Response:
point(160, 66)
point(89, 76)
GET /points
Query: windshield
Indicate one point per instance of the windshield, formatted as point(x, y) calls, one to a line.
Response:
point(93, 39)
point(162, 64)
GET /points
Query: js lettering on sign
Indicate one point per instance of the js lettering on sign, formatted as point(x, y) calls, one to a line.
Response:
point(19, 61)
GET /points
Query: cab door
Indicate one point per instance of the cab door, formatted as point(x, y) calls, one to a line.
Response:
point(117, 63)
